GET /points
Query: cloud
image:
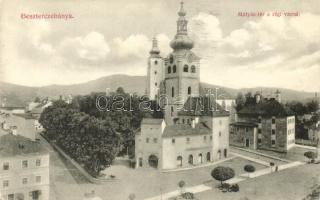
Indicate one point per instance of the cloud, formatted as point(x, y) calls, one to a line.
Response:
point(92, 47)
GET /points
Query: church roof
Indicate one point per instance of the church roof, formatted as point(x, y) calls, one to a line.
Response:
point(202, 106)
point(178, 130)
point(16, 145)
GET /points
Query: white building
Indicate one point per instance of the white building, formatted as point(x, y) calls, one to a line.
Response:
point(24, 169)
point(194, 130)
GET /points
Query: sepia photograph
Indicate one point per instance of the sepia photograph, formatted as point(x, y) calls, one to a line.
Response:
point(160, 100)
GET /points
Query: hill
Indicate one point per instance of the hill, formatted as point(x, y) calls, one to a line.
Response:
point(17, 94)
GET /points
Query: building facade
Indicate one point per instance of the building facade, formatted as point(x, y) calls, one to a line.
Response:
point(194, 129)
point(24, 169)
point(264, 124)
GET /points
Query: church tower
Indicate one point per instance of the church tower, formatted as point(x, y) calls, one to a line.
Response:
point(182, 70)
point(155, 71)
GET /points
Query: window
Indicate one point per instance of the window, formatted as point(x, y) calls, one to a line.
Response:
point(169, 70)
point(24, 181)
point(156, 84)
point(189, 90)
point(173, 140)
point(174, 69)
point(188, 140)
point(155, 72)
point(205, 138)
point(6, 166)
point(219, 133)
point(25, 164)
point(38, 179)
point(193, 69)
point(147, 140)
point(5, 183)
point(259, 130)
point(273, 142)
point(156, 62)
point(273, 131)
point(247, 129)
point(210, 137)
point(259, 120)
point(273, 121)
point(38, 162)
point(186, 68)
point(259, 140)
point(155, 140)
point(188, 121)
point(172, 91)
point(183, 121)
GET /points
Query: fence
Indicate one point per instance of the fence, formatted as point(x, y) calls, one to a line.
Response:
point(306, 142)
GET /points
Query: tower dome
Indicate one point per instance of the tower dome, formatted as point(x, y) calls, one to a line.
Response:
point(181, 39)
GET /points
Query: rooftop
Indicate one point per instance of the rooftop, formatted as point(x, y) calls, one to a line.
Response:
point(186, 130)
point(151, 121)
point(16, 145)
point(202, 106)
point(244, 124)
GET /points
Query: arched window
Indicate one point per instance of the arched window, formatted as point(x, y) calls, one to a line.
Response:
point(208, 157)
point(174, 69)
point(200, 158)
point(190, 159)
point(169, 70)
point(189, 90)
point(193, 69)
point(156, 62)
point(172, 91)
point(185, 68)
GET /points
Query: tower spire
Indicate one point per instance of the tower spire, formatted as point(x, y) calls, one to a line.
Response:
point(155, 49)
point(181, 40)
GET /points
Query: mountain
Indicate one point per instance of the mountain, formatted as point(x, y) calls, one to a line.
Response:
point(18, 95)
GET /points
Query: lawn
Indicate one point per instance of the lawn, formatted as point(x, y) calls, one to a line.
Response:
point(290, 184)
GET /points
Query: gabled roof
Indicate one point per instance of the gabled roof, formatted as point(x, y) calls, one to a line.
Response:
point(202, 106)
point(186, 130)
point(266, 107)
point(16, 145)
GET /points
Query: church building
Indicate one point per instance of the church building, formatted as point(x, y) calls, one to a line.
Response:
point(195, 129)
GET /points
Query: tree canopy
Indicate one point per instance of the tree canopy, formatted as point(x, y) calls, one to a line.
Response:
point(222, 173)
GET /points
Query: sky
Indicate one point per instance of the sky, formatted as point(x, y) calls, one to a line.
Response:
point(107, 37)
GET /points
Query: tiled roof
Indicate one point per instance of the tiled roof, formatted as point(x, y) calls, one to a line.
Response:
point(266, 107)
point(15, 145)
point(186, 130)
point(202, 106)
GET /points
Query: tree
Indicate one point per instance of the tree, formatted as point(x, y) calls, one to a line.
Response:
point(249, 169)
point(222, 173)
point(312, 106)
point(240, 101)
point(310, 155)
point(181, 184)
